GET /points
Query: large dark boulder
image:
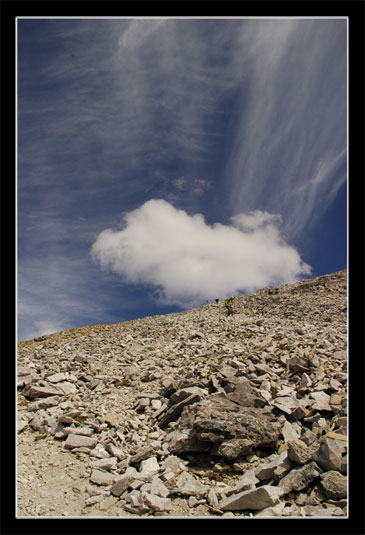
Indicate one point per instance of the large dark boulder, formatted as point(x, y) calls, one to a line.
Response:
point(224, 428)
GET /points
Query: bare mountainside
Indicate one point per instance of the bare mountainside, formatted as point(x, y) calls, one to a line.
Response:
point(191, 414)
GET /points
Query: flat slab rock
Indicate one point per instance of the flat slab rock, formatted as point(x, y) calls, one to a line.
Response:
point(224, 428)
point(254, 499)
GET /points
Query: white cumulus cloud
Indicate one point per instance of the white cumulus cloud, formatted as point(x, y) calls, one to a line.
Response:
point(188, 260)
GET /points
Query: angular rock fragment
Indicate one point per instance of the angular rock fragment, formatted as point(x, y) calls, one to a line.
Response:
point(115, 451)
point(252, 499)
point(266, 471)
point(142, 454)
point(300, 478)
point(188, 485)
point(299, 452)
point(323, 511)
point(336, 436)
point(172, 464)
point(21, 425)
point(290, 431)
point(271, 371)
point(92, 500)
point(156, 487)
point(149, 467)
point(79, 441)
point(287, 404)
point(43, 403)
point(111, 419)
point(67, 388)
point(334, 485)
point(121, 485)
point(329, 454)
point(229, 431)
point(212, 498)
point(299, 363)
point(193, 502)
point(33, 391)
point(100, 452)
point(135, 504)
point(247, 481)
point(99, 477)
point(155, 503)
point(175, 411)
point(104, 464)
point(321, 401)
point(84, 431)
point(57, 377)
point(184, 393)
point(275, 510)
point(107, 503)
point(185, 441)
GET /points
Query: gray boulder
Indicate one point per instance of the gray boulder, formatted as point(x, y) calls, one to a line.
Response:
point(79, 441)
point(334, 485)
point(224, 428)
point(329, 455)
point(254, 499)
point(300, 478)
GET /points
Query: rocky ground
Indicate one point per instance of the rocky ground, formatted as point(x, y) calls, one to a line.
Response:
point(191, 414)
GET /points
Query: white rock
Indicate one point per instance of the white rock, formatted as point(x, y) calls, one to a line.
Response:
point(290, 431)
point(149, 467)
point(188, 485)
point(84, 431)
point(254, 499)
point(79, 441)
point(57, 377)
point(247, 481)
point(104, 464)
point(156, 503)
point(100, 477)
point(156, 487)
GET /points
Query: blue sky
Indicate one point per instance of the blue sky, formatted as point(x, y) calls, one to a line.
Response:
point(164, 162)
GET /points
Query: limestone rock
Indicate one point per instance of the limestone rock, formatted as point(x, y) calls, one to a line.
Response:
point(321, 401)
point(111, 419)
point(99, 477)
point(247, 481)
point(79, 441)
point(299, 452)
point(334, 485)
point(229, 431)
point(290, 431)
point(156, 487)
point(253, 499)
point(104, 464)
point(266, 471)
point(175, 411)
point(155, 503)
point(329, 454)
point(184, 393)
point(188, 485)
point(287, 404)
point(149, 467)
point(34, 391)
point(300, 478)
point(121, 485)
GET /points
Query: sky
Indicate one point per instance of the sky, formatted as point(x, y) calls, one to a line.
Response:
point(164, 162)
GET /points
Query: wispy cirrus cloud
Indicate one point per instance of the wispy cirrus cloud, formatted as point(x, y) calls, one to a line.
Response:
point(219, 117)
point(289, 144)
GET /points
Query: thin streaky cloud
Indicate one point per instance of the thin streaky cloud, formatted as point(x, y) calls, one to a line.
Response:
point(219, 117)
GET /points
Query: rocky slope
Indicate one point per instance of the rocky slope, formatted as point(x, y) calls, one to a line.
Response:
point(193, 413)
